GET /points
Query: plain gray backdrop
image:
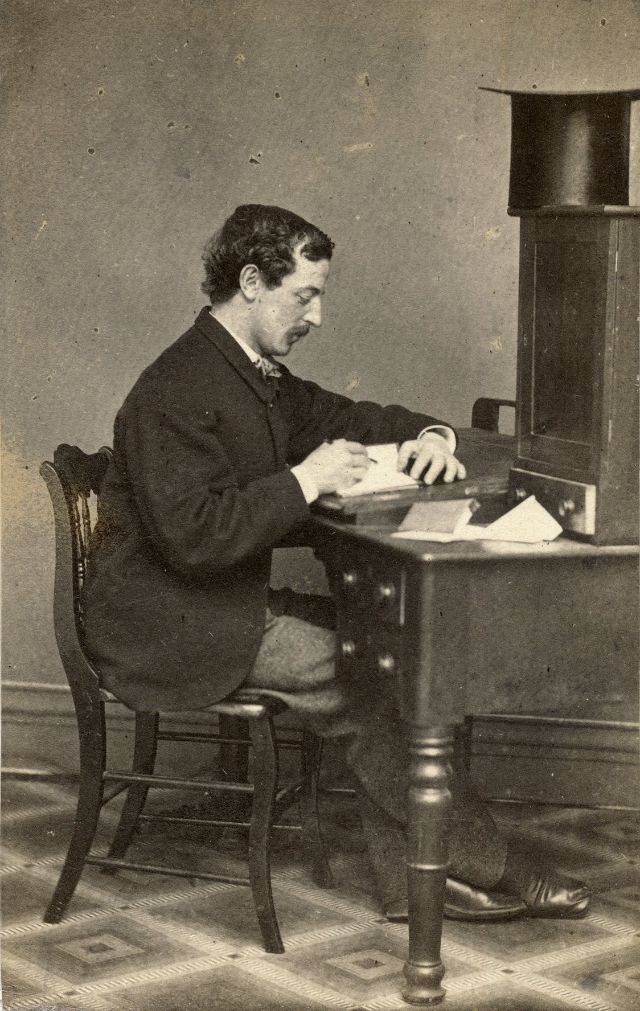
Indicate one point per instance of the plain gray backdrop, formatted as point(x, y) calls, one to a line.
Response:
point(131, 129)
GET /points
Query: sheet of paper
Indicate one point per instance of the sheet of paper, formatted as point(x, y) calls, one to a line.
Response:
point(527, 523)
point(468, 533)
point(383, 473)
point(425, 535)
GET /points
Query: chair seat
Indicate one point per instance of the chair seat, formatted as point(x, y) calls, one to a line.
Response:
point(248, 702)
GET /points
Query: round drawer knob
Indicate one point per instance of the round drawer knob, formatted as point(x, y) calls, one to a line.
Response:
point(348, 647)
point(386, 663)
point(521, 494)
point(386, 591)
point(566, 507)
point(350, 578)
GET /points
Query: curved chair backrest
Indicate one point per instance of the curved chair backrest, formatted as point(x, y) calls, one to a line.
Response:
point(72, 479)
point(485, 413)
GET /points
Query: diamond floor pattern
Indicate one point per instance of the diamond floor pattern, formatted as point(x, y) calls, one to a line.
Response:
point(133, 942)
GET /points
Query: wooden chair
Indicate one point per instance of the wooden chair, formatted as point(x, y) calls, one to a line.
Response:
point(72, 479)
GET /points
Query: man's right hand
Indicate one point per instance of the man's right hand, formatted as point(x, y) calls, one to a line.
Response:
point(335, 465)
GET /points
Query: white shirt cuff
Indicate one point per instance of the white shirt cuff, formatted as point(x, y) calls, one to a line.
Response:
point(307, 485)
point(444, 432)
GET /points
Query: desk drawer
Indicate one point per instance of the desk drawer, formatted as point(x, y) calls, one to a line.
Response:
point(373, 588)
point(368, 651)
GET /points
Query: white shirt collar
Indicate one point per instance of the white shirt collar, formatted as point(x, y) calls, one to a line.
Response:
point(249, 351)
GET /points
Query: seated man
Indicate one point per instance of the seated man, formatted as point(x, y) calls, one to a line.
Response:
point(218, 453)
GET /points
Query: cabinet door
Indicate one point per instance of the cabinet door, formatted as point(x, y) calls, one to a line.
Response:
point(566, 269)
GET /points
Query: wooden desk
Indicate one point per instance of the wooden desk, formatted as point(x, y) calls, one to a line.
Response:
point(407, 614)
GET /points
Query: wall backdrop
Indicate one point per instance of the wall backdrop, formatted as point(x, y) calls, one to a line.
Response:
point(131, 129)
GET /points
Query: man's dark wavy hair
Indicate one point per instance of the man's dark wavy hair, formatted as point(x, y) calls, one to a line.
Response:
point(265, 236)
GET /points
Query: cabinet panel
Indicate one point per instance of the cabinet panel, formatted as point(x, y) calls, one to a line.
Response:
point(566, 281)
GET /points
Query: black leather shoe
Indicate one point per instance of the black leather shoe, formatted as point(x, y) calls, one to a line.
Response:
point(550, 895)
point(465, 902)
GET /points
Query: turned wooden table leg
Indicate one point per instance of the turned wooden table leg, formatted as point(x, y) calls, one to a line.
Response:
point(428, 815)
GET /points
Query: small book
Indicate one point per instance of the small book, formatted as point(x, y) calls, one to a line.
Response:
point(440, 517)
point(382, 475)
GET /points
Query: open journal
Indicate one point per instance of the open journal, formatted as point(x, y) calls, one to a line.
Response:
point(383, 473)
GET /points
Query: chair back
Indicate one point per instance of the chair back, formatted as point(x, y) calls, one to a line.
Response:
point(72, 479)
point(485, 412)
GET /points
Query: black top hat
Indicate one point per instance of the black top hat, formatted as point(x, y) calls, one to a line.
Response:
point(569, 148)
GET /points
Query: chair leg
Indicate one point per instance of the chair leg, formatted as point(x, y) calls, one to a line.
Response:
point(310, 758)
point(234, 758)
point(265, 781)
point(233, 766)
point(93, 750)
point(144, 760)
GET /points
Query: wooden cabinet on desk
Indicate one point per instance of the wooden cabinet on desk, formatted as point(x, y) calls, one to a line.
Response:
point(577, 414)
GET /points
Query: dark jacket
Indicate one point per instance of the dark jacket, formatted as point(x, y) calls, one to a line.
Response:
point(198, 493)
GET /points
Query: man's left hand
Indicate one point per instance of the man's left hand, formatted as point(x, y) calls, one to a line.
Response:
point(430, 458)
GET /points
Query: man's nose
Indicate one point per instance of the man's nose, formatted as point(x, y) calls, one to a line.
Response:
point(313, 315)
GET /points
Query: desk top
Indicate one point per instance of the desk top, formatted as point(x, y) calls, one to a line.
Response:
point(480, 552)
point(488, 457)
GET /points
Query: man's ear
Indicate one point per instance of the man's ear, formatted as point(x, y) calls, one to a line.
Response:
point(250, 281)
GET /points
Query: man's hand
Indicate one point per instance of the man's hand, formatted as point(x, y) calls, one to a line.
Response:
point(335, 465)
point(430, 458)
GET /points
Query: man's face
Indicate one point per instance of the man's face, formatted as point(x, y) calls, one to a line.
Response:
point(283, 315)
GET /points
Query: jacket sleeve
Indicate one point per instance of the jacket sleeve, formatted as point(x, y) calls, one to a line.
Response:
point(316, 415)
point(187, 495)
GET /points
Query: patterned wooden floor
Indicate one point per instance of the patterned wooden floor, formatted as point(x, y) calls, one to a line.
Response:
point(147, 943)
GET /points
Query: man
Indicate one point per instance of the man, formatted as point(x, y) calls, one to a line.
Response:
point(218, 453)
